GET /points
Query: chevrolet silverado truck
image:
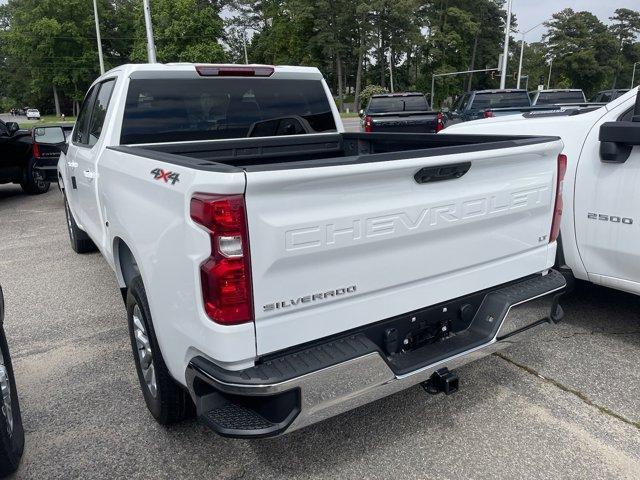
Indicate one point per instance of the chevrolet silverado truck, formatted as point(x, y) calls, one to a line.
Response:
point(17, 164)
point(400, 112)
point(600, 231)
point(278, 271)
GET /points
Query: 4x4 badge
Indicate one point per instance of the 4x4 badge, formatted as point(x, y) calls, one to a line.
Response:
point(159, 174)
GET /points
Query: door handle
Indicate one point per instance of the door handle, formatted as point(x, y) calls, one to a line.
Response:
point(90, 174)
point(442, 172)
point(72, 164)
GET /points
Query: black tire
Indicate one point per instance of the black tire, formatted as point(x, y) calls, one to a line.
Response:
point(170, 403)
point(30, 184)
point(11, 433)
point(80, 241)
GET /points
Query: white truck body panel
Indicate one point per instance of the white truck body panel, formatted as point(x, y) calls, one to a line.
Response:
point(603, 252)
point(400, 244)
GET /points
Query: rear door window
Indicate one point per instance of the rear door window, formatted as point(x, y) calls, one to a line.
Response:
point(171, 110)
point(500, 100)
point(412, 103)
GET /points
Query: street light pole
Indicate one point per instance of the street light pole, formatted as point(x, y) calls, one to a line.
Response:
point(505, 52)
point(151, 48)
point(549, 78)
point(520, 63)
point(633, 75)
point(95, 14)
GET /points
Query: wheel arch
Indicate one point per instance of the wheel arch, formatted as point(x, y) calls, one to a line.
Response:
point(126, 265)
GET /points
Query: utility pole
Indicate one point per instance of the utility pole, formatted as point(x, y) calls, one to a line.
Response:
point(505, 51)
point(151, 48)
point(633, 75)
point(95, 14)
point(390, 71)
point(549, 79)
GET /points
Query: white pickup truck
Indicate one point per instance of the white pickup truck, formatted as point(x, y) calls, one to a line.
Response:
point(600, 231)
point(277, 270)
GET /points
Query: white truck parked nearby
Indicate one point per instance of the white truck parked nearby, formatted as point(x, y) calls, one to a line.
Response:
point(277, 270)
point(600, 231)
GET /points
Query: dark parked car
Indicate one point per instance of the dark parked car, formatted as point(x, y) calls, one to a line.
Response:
point(28, 158)
point(400, 112)
point(11, 431)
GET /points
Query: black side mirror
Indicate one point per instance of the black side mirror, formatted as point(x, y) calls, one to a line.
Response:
point(13, 127)
point(617, 139)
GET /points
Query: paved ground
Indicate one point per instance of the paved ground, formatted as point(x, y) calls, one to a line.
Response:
point(566, 404)
point(351, 124)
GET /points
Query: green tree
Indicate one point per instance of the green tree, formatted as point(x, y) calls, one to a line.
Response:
point(625, 28)
point(583, 49)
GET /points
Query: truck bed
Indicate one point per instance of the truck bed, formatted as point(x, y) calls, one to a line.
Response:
point(272, 153)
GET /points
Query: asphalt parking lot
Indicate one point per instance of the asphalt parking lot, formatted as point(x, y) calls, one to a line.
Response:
point(565, 404)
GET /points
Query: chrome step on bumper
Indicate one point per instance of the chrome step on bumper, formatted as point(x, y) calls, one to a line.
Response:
point(307, 386)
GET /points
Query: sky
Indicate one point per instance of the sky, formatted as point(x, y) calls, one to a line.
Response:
point(531, 12)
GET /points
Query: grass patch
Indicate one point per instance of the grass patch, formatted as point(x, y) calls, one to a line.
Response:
point(43, 122)
point(349, 115)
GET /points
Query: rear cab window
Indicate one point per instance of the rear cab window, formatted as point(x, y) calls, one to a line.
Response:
point(486, 100)
point(173, 110)
point(409, 103)
point(549, 98)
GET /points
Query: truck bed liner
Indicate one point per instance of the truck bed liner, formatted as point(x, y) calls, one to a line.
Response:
point(272, 153)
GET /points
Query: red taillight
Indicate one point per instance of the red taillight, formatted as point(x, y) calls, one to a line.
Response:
point(234, 71)
point(226, 274)
point(368, 124)
point(36, 150)
point(557, 209)
point(488, 114)
point(439, 122)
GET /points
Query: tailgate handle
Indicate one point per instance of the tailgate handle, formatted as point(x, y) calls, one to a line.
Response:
point(442, 172)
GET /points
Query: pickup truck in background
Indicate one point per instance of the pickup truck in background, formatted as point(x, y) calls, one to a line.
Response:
point(605, 96)
point(278, 271)
point(17, 164)
point(600, 232)
point(487, 103)
point(400, 112)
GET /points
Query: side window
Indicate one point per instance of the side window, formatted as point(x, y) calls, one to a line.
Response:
point(80, 130)
point(99, 111)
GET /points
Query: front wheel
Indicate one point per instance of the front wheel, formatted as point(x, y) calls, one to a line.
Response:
point(32, 183)
point(11, 431)
point(80, 241)
point(167, 401)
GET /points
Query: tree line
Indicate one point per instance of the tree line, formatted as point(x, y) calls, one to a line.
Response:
point(48, 53)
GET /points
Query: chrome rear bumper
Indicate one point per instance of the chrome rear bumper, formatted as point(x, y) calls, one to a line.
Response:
point(233, 403)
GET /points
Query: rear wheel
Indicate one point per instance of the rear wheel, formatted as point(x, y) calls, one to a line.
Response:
point(167, 401)
point(31, 183)
point(80, 241)
point(11, 432)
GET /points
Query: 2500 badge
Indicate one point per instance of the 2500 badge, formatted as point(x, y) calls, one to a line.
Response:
point(609, 218)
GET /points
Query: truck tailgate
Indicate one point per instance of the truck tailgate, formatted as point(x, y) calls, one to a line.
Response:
point(334, 248)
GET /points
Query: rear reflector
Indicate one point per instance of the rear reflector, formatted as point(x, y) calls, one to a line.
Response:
point(557, 210)
point(439, 122)
point(233, 71)
point(226, 274)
